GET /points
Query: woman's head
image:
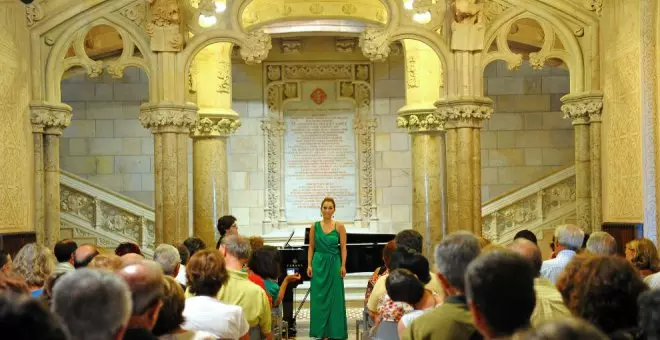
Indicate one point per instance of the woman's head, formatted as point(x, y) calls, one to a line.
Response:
point(170, 316)
point(110, 262)
point(643, 254)
point(206, 272)
point(412, 261)
point(328, 207)
point(34, 263)
point(127, 248)
point(265, 262)
point(227, 225)
point(404, 286)
point(388, 250)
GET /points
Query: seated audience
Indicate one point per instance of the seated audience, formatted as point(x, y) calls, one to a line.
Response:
point(643, 255)
point(23, 318)
point(603, 290)
point(93, 304)
point(265, 263)
point(128, 248)
point(527, 235)
point(226, 226)
point(562, 329)
point(404, 286)
point(484, 243)
point(12, 283)
point(203, 312)
point(601, 243)
point(256, 242)
point(47, 296)
point(568, 239)
point(194, 244)
point(184, 254)
point(5, 261)
point(168, 258)
point(409, 239)
point(451, 320)
point(500, 291)
point(63, 251)
point(549, 302)
point(145, 281)
point(110, 262)
point(649, 318)
point(384, 270)
point(84, 255)
point(170, 316)
point(34, 263)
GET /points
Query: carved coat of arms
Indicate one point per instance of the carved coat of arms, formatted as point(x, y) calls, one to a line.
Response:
point(319, 96)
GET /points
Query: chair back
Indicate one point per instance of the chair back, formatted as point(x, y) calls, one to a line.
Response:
point(255, 333)
point(387, 330)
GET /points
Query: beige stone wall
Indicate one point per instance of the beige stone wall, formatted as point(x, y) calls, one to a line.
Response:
point(16, 147)
point(527, 137)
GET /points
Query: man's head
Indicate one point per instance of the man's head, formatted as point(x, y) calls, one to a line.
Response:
point(563, 329)
point(452, 257)
point(403, 286)
point(64, 250)
point(409, 239)
point(84, 255)
point(530, 252)
point(194, 244)
point(236, 247)
point(168, 258)
point(24, 317)
point(93, 304)
point(649, 318)
point(601, 243)
point(127, 248)
point(568, 236)
point(145, 281)
point(500, 292)
point(170, 316)
point(5, 261)
point(526, 234)
point(184, 254)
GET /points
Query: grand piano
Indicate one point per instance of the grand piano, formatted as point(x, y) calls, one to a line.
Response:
point(364, 254)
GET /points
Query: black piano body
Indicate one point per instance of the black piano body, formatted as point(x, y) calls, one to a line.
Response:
point(364, 253)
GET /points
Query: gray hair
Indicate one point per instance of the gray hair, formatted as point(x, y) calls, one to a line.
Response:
point(35, 263)
point(601, 243)
point(453, 255)
point(237, 246)
point(93, 304)
point(569, 236)
point(168, 257)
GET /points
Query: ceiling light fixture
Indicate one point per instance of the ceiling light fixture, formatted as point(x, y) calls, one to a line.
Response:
point(207, 20)
point(220, 6)
point(207, 10)
point(422, 17)
point(408, 4)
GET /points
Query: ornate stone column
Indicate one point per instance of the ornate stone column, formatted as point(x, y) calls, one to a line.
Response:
point(48, 120)
point(465, 116)
point(217, 121)
point(596, 170)
point(579, 108)
point(170, 123)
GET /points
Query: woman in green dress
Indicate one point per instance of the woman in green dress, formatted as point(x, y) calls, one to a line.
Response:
point(327, 268)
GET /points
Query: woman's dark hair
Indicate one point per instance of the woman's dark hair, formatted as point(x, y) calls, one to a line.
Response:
point(127, 248)
point(388, 250)
point(194, 244)
point(413, 261)
point(206, 273)
point(403, 286)
point(265, 262)
point(170, 316)
point(224, 223)
point(603, 290)
point(25, 318)
point(184, 253)
point(526, 234)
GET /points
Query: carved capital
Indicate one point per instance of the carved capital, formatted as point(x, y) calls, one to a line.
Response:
point(50, 118)
point(168, 117)
point(582, 108)
point(594, 5)
point(255, 47)
point(219, 126)
point(34, 12)
point(164, 26)
point(375, 44)
point(465, 112)
point(428, 120)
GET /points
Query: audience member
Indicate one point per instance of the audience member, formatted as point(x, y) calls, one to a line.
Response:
point(184, 254)
point(203, 312)
point(34, 263)
point(409, 239)
point(649, 316)
point(5, 261)
point(84, 255)
point(12, 283)
point(64, 250)
point(256, 242)
point(130, 258)
point(527, 235)
point(484, 242)
point(93, 304)
point(643, 255)
point(47, 296)
point(23, 318)
point(568, 239)
point(169, 259)
point(109, 262)
point(226, 226)
point(451, 320)
point(265, 263)
point(601, 243)
point(145, 281)
point(170, 316)
point(562, 329)
point(500, 291)
point(238, 290)
point(603, 290)
point(128, 248)
point(383, 270)
point(549, 302)
point(404, 286)
point(194, 244)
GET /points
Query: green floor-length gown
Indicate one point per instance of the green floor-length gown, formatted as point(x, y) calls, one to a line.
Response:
point(328, 305)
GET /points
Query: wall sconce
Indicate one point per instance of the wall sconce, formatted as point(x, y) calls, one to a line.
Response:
point(422, 9)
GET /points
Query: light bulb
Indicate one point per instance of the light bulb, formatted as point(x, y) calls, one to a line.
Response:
point(207, 20)
point(220, 6)
point(422, 17)
point(408, 4)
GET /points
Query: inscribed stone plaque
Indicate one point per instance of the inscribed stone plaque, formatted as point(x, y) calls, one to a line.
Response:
point(320, 161)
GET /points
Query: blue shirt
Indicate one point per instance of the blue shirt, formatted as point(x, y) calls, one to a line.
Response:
point(37, 293)
point(551, 269)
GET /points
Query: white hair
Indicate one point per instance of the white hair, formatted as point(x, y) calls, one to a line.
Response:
point(601, 243)
point(569, 236)
point(93, 304)
point(168, 257)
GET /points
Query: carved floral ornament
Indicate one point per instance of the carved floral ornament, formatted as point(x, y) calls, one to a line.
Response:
point(168, 115)
point(421, 122)
point(582, 108)
point(211, 127)
point(465, 112)
point(375, 44)
point(34, 12)
point(50, 117)
point(164, 26)
point(255, 47)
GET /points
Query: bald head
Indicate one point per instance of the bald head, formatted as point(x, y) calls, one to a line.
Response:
point(530, 252)
point(84, 255)
point(145, 280)
point(130, 258)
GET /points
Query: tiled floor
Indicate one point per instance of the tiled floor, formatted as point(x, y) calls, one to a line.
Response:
point(352, 315)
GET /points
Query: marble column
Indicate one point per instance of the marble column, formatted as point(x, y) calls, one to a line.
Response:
point(596, 171)
point(579, 108)
point(48, 120)
point(170, 124)
point(452, 178)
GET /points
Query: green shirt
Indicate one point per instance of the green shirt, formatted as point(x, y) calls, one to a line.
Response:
point(449, 321)
point(272, 288)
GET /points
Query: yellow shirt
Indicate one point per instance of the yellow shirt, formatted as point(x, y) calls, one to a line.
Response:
point(240, 291)
point(379, 291)
point(549, 303)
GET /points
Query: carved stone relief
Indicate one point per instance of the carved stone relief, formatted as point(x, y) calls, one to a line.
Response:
point(77, 203)
point(118, 221)
point(345, 45)
point(375, 44)
point(164, 26)
point(215, 126)
point(34, 12)
point(135, 12)
point(224, 77)
point(256, 46)
point(290, 46)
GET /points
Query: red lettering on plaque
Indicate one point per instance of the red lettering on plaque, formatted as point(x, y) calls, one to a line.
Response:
point(319, 96)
